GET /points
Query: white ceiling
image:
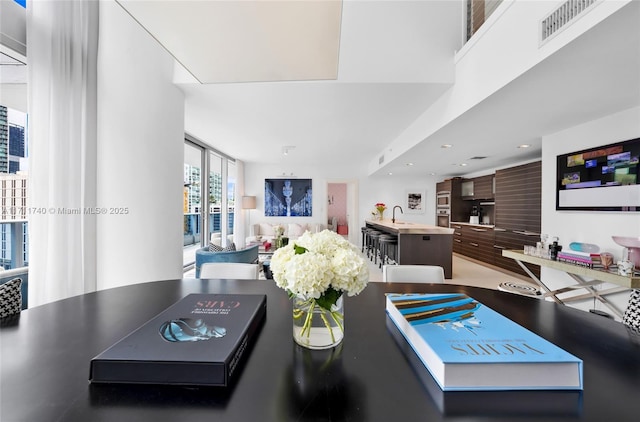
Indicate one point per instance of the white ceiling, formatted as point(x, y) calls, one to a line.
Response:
point(395, 61)
point(395, 58)
point(221, 41)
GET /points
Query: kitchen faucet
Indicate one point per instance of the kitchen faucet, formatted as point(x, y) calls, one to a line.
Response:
point(393, 213)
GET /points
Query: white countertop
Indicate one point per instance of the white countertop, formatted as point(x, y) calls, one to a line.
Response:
point(405, 227)
point(472, 224)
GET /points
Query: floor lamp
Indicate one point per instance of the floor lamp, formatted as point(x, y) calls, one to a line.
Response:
point(249, 203)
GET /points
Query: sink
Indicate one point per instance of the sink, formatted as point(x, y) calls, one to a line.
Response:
point(401, 222)
point(633, 244)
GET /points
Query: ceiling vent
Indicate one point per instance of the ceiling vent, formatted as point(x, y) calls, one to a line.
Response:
point(381, 159)
point(563, 16)
point(477, 158)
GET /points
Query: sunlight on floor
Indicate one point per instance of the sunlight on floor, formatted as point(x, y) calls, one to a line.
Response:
point(468, 273)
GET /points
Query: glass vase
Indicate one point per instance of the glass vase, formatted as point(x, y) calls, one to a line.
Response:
point(315, 327)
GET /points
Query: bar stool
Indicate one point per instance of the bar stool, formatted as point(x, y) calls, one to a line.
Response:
point(364, 230)
point(388, 246)
point(369, 241)
point(372, 251)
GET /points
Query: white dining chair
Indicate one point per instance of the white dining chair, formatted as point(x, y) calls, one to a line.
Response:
point(412, 274)
point(230, 270)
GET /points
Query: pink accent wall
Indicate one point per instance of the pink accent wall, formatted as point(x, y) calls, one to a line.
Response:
point(337, 196)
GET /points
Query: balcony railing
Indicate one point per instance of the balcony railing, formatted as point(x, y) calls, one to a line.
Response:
point(193, 229)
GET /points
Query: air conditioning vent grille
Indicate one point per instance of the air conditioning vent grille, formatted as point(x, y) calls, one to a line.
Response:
point(381, 159)
point(563, 15)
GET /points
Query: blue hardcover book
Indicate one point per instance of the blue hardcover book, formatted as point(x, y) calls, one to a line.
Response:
point(468, 346)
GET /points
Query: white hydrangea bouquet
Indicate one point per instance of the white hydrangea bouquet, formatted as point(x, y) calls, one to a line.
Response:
point(316, 270)
point(278, 229)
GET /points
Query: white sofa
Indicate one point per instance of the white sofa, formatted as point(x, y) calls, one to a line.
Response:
point(216, 239)
point(266, 231)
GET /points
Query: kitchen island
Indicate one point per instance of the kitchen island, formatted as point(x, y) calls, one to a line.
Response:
point(419, 244)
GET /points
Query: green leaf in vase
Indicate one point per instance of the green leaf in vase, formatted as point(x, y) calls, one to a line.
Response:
point(328, 298)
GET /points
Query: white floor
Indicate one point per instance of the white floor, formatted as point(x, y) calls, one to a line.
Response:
point(470, 273)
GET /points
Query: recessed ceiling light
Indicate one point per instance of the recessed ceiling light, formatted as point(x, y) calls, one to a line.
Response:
point(463, 165)
point(446, 146)
point(390, 174)
point(408, 164)
point(524, 146)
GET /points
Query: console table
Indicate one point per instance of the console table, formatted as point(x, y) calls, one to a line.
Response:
point(586, 278)
point(45, 355)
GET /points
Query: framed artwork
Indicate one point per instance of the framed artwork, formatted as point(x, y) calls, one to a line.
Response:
point(415, 201)
point(288, 198)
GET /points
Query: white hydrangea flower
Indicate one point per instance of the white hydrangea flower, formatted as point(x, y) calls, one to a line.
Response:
point(329, 261)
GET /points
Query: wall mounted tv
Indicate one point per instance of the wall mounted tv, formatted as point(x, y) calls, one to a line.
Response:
point(600, 179)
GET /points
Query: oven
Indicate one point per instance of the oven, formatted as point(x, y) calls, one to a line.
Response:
point(443, 217)
point(443, 199)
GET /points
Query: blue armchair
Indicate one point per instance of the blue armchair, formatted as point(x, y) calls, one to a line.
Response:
point(246, 256)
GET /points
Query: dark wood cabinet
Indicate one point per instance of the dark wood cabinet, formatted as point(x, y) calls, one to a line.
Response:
point(478, 188)
point(444, 186)
point(519, 198)
point(518, 209)
point(483, 187)
point(474, 241)
point(481, 242)
point(516, 198)
point(459, 210)
point(458, 243)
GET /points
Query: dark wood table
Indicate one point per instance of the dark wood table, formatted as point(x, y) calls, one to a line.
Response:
point(45, 358)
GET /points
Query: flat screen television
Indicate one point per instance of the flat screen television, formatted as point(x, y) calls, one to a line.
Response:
point(600, 179)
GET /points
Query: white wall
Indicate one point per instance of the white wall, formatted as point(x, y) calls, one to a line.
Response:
point(586, 226)
point(392, 190)
point(388, 189)
point(140, 155)
point(255, 174)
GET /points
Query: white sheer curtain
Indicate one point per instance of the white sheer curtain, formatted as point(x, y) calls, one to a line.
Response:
point(239, 232)
point(62, 45)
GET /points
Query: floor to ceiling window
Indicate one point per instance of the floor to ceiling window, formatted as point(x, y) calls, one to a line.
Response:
point(13, 189)
point(192, 199)
point(231, 195)
point(222, 176)
point(208, 201)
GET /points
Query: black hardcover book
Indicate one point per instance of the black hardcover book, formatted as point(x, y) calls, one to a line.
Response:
point(198, 340)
